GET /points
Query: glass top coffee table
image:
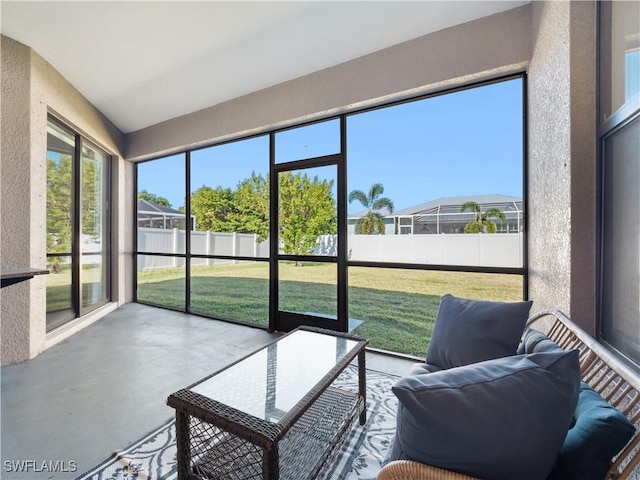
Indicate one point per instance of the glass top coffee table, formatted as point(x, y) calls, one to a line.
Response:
point(274, 414)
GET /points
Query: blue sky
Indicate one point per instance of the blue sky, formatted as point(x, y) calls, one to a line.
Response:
point(463, 143)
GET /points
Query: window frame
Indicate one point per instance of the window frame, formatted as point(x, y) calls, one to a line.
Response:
point(607, 127)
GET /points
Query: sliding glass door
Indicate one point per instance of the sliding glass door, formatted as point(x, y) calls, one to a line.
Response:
point(77, 226)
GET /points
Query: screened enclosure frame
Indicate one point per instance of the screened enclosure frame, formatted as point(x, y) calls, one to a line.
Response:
point(341, 260)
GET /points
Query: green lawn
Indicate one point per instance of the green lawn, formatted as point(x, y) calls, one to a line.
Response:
point(59, 287)
point(398, 307)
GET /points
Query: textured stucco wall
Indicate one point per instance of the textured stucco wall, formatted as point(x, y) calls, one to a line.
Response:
point(550, 158)
point(16, 217)
point(30, 89)
point(485, 48)
point(562, 156)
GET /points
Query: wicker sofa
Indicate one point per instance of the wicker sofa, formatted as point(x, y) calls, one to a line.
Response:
point(606, 374)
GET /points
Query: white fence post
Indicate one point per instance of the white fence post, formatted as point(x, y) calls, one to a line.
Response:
point(234, 245)
point(174, 247)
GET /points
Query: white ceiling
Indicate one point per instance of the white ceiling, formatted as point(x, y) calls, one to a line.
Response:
point(143, 62)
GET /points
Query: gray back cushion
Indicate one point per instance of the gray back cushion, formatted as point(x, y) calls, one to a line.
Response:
point(536, 341)
point(501, 419)
point(470, 331)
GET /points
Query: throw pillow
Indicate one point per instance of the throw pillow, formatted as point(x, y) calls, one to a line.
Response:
point(600, 432)
point(471, 331)
point(499, 419)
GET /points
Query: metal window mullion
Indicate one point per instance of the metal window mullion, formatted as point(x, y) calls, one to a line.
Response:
point(304, 163)
point(525, 190)
point(76, 220)
point(343, 279)
point(107, 235)
point(134, 221)
point(273, 235)
point(187, 232)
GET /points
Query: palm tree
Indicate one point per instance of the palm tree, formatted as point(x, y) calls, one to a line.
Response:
point(481, 224)
point(372, 222)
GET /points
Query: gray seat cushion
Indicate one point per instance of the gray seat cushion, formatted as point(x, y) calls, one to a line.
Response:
point(421, 368)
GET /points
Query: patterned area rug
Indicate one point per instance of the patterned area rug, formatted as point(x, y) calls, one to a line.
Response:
point(154, 456)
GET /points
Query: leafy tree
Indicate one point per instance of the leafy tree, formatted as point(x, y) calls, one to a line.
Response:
point(243, 210)
point(91, 205)
point(153, 198)
point(212, 208)
point(372, 223)
point(481, 223)
point(59, 201)
point(251, 214)
point(307, 210)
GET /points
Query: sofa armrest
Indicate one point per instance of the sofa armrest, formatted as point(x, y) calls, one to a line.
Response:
point(410, 470)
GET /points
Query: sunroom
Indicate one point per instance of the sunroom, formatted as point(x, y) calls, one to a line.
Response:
point(536, 102)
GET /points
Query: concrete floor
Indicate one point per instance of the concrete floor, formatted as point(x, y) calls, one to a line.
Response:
point(106, 386)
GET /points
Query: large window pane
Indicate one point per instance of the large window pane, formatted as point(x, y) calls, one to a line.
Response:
point(161, 203)
point(161, 281)
point(230, 199)
point(309, 141)
point(621, 241)
point(619, 74)
point(398, 307)
point(231, 290)
point(439, 180)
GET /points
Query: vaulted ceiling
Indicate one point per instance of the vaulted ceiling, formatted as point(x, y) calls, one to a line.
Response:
point(143, 62)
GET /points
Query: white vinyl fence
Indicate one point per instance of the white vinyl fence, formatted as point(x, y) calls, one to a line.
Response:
point(159, 240)
point(486, 250)
point(480, 249)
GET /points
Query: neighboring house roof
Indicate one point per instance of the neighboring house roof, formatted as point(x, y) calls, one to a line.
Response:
point(432, 206)
point(145, 206)
point(455, 202)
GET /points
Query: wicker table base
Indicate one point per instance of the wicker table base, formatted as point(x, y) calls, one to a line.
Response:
point(217, 441)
